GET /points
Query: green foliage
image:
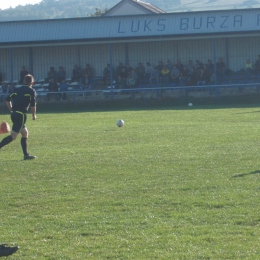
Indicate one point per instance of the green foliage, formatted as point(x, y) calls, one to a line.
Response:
point(55, 9)
point(98, 12)
point(177, 183)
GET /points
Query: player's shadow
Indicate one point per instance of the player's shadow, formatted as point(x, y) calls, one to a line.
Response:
point(250, 112)
point(245, 174)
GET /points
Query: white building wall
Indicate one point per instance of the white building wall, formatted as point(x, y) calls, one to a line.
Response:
point(46, 57)
point(5, 64)
point(152, 52)
point(195, 50)
point(95, 55)
point(241, 49)
point(98, 56)
point(182, 50)
point(20, 58)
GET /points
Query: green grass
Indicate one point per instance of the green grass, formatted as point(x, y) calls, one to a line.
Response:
point(171, 184)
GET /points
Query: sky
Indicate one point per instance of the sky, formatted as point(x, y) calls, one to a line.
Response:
point(192, 4)
point(4, 4)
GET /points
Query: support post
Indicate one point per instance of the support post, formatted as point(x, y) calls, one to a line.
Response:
point(31, 61)
point(214, 59)
point(227, 53)
point(11, 70)
point(111, 63)
point(126, 54)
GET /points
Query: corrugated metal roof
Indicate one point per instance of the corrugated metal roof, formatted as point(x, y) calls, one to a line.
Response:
point(131, 7)
point(130, 27)
point(150, 7)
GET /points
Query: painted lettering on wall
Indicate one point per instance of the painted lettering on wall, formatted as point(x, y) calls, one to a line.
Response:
point(237, 20)
point(136, 26)
point(224, 20)
point(198, 23)
point(161, 25)
point(210, 21)
point(189, 24)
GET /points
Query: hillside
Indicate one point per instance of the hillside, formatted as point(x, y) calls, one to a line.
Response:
point(55, 9)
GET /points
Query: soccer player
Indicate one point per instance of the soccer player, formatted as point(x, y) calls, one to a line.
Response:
point(18, 103)
point(7, 250)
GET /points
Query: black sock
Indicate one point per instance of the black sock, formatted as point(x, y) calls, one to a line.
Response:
point(6, 141)
point(24, 145)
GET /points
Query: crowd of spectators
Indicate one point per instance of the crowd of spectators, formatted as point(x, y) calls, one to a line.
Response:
point(190, 74)
point(163, 74)
point(126, 76)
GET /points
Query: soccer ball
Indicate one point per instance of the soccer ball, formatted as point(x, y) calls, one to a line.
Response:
point(120, 123)
point(190, 104)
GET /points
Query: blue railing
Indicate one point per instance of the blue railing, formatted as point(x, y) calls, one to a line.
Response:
point(144, 90)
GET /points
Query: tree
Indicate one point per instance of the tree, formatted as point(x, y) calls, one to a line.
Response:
point(98, 12)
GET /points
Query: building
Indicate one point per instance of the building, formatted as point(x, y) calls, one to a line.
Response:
point(133, 7)
point(230, 34)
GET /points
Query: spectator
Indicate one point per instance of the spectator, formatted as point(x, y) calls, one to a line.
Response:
point(220, 66)
point(212, 79)
point(210, 66)
point(53, 87)
point(123, 75)
point(64, 86)
point(198, 64)
point(133, 73)
point(4, 88)
point(159, 66)
point(88, 70)
point(130, 81)
point(23, 73)
point(179, 66)
point(61, 74)
point(119, 68)
point(140, 71)
point(1, 78)
point(184, 76)
point(120, 83)
point(51, 74)
point(128, 69)
point(164, 75)
point(257, 65)
point(192, 78)
point(106, 74)
point(248, 67)
point(189, 65)
point(148, 70)
point(175, 74)
point(207, 73)
point(202, 79)
point(1, 94)
point(169, 65)
point(76, 74)
point(197, 68)
point(154, 76)
point(86, 82)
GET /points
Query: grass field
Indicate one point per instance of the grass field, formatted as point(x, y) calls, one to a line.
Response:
point(178, 183)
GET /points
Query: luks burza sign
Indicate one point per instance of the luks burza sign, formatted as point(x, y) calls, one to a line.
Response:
point(133, 26)
point(190, 24)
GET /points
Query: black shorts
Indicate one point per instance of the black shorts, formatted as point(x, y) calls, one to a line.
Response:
point(18, 119)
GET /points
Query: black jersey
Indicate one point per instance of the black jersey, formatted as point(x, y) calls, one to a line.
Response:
point(22, 98)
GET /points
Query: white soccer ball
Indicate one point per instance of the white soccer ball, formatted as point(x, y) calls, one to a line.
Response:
point(120, 123)
point(190, 104)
